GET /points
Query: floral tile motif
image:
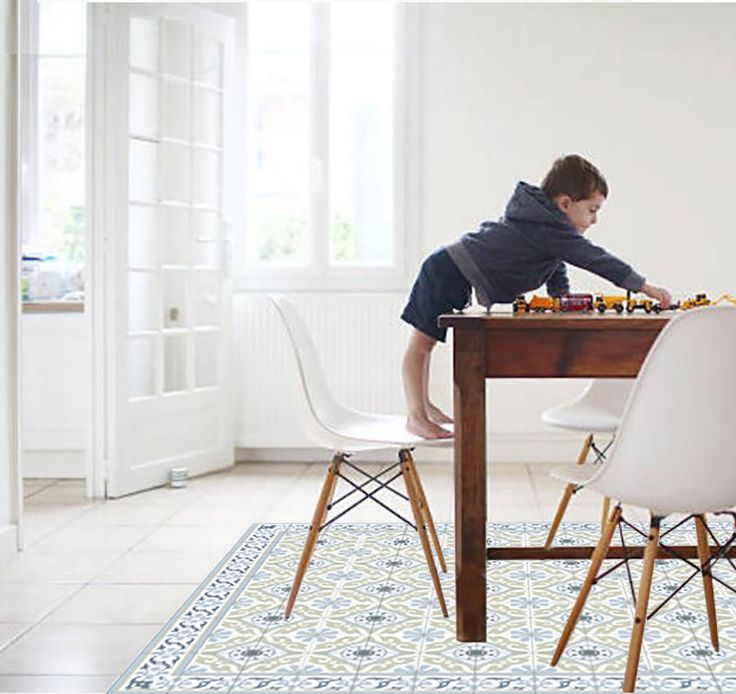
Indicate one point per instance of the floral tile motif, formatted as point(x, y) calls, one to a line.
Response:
point(367, 621)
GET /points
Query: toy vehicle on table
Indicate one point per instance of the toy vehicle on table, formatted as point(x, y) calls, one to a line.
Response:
point(576, 302)
point(603, 302)
point(537, 304)
point(699, 300)
point(648, 305)
point(540, 304)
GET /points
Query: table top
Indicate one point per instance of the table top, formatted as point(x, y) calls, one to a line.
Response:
point(580, 320)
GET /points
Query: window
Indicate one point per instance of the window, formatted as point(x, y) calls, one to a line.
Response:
point(53, 144)
point(324, 193)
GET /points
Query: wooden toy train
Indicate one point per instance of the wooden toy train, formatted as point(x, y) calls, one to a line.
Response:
point(603, 303)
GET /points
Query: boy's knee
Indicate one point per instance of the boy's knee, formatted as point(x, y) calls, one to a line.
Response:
point(421, 342)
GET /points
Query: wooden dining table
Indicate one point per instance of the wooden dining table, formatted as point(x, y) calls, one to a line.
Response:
point(508, 345)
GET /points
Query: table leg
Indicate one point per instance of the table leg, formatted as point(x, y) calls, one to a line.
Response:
point(470, 484)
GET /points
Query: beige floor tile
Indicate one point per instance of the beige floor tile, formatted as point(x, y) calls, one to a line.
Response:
point(74, 684)
point(160, 567)
point(29, 603)
point(61, 493)
point(91, 538)
point(118, 512)
point(9, 631)
point(76, 649)
point(182, 538)
point(122, 604)
point(35, 566)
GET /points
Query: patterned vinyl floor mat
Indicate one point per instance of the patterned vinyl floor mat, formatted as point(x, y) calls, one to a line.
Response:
point(367, 621)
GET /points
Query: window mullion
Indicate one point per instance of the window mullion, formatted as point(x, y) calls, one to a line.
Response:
point(320, 109)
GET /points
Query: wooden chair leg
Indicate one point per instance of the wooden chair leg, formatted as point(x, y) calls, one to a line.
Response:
point(701, 528)
point(412, 493)
point(642, 603)
point(318, 518)
point(426, 513)
point(596, 560)
point(605, 512)
point(567, 494)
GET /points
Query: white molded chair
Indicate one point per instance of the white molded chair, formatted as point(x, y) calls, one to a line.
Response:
point(597, 410)
point(345, 431)
point(673, 454)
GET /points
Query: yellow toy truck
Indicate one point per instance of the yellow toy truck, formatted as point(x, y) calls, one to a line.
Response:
point(699, 300)
point(602, 303)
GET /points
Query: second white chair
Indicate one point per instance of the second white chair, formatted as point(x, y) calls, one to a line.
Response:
point(597, 410)
point(345, 431)
point(673, 455)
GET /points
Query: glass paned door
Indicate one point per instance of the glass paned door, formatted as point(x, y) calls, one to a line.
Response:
point(165, 370)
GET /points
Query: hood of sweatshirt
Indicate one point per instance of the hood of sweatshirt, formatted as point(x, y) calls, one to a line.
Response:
point(530, 204)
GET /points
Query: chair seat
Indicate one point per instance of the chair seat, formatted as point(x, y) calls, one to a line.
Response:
point(382, 430)
point(577, 474)
point(582, 417)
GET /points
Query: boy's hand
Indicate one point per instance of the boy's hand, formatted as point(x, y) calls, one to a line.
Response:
point(658, 293)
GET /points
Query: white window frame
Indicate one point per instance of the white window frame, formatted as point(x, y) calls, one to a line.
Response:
point(318, 274)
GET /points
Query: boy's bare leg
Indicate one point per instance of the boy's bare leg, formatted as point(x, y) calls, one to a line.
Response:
point(415, 372)
point(434, 413)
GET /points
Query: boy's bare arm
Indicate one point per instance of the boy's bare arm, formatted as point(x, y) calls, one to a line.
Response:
point(658, 293)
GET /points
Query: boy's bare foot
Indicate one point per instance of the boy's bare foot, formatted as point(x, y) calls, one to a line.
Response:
point(427, 429)
point(436, 415)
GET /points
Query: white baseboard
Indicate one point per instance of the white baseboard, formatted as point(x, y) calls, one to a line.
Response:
point(53, 464)
point(521, 448)
point(8, 542)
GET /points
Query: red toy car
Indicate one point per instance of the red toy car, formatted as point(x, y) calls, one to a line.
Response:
point(576, 302)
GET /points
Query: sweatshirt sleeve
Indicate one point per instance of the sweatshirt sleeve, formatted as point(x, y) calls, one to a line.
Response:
point(572, 247)
point(558, 283)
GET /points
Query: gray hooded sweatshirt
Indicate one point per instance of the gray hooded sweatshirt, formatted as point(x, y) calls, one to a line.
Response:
point(528, 247)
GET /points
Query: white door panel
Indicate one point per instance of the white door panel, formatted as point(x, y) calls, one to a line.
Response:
point(165, 73)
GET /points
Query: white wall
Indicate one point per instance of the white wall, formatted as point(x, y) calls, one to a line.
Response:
point(8, 440)
point(644, 90)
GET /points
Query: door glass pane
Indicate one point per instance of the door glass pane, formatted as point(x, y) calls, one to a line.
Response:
point(279, 132)
point(142, 236)
point(142, 171)
point(206, 117)
point(206, 246)
point(142, 301)
point(144, 43)
point(206, 299)
point(207, 60)
point(206, 178)
point(175, 173)
point(176, 54)
point(362, 133)
point(175, 298)
point(175, 363)
point(143, 105)
point(206, 358)
point(141, 366)
point(175, 234)
point(176, 105)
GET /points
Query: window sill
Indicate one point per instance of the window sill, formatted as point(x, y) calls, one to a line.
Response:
point(53, 307)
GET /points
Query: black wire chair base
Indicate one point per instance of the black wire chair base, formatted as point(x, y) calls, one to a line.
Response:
point(722, 551)
point(369, 488)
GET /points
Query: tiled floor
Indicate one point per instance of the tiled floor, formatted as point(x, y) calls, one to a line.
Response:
point(98, 579)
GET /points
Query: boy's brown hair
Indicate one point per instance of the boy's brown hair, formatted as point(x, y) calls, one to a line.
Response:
point(574, 176)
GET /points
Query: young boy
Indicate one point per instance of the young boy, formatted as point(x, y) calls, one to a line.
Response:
point(541, 230)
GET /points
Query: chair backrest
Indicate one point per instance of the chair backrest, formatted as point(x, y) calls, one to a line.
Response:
point(608, 394)
point(323, 409)
point(673, 452)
